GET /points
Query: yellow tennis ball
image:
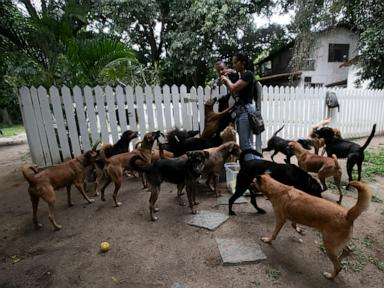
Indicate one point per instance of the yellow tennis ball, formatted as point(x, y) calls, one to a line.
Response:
point(104, 246)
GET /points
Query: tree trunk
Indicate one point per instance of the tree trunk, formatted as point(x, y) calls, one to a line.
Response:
point(5, 118)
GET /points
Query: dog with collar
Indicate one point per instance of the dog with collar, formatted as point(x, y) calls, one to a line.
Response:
point(182, 172)
point(43, 183)
point(334, 222)
point(345, 149)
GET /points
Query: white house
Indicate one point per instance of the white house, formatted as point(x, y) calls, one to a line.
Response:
point(331, 48)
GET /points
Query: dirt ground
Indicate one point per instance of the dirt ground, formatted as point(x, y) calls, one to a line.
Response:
point(160, 254)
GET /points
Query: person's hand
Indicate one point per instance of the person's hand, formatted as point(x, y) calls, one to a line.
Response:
point(224, 78)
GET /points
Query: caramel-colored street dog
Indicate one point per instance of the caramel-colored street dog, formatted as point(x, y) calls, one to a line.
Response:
point(215, 163)
point(319, 142)
point(212, 119)
point(116, 165)
point(333, 221)
point(323, 166)
point(229, 134)
point(42, 184)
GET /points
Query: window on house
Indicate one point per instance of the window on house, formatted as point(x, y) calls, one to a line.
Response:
point(307, 81)
point(338, 52)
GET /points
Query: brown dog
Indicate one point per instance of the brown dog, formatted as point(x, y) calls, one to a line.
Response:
point(215, 163)
point(42, 184)
point(333, 221)
point(229, 134)
point(212, 119)
point(323, 166)
point(116, 165)
point(319, 142)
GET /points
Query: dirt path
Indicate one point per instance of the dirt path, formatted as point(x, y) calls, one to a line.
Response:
point(147, 254)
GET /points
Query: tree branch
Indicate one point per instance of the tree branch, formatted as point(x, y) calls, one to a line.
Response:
point(31, 10)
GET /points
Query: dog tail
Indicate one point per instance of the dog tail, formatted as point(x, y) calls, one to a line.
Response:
point(336, 162)
point(143, 168)
point(369, 138)
point(274, 134)
point(248, 151)
point(102, 155)
point(363, 200)
point(29, 173)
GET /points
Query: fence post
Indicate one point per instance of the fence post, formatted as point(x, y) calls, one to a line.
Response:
point(258, 106)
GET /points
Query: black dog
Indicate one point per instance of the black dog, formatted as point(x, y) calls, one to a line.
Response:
point(281, 145)
point(345, 149)
point(180, 172)
point(179, 142)
point(287, 174)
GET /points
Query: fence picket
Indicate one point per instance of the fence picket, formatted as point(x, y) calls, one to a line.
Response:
point(90, 102)
point(140, 110)
point(101, 114)
point(176, 106)
point(131, 108)
point(184, 108)
point(159, 108)
point(82, 122)
point(120, 99)
point(149, 105)
point(111, 100)
point(59, 119)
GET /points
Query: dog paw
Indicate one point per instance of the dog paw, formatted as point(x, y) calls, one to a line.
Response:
point(57, 227)
point(194, 211)
point(232, 213)
point(38, 226)
point(103, 199)
point(154, 218)
point(266, 240)
point(181, 203)
point(118, 204)
point(96, 194)
point(196, 203)
point(328, 275)
point(261, 211)
point(156, 209)
point(91, 201)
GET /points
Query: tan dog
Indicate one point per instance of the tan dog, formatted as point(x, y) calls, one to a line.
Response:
point(215, 163)
point(42, 184)
point(212, 119)
point(333, 221)
point(116, 165)
point(323, 166)
point(319, 142)
point(229, 134)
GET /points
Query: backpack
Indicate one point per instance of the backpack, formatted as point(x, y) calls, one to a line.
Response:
point(331, 100)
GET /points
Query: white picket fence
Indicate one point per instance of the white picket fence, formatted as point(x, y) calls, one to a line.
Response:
point(62, 123)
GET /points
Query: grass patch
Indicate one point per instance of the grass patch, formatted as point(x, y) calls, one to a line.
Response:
point(12, 131)
point(273, 274)
point(373, 164)
point(379, 264)
point(355, 262)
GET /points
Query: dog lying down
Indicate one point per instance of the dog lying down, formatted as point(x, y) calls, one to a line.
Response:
point(333, 221)
point(180, 172)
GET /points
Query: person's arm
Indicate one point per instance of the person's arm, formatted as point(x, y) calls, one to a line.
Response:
point(234, 88)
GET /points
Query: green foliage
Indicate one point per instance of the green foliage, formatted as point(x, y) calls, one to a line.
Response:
point(12, 131)
point(373, 164)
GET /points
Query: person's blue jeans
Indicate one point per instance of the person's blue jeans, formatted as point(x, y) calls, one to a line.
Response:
point(244, 130)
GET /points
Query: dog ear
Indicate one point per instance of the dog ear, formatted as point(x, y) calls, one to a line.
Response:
point(206, 154)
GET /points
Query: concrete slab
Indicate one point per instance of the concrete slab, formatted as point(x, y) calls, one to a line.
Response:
point(223, 200)
point(208, 220)
point(240, 251)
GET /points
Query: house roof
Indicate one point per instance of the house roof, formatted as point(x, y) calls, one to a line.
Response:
point(276, 52)
point(292, 43)
point(338, 83)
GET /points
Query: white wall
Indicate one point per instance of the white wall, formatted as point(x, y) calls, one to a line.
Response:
point(329, 72)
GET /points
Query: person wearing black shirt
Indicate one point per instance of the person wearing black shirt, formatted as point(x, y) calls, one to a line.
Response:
point(243, 88)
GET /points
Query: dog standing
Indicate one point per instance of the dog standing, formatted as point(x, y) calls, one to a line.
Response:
point(180, 172)
point(212, 119)
point(228, 135)
point(323, 166)
point(345, 149)
point(286, 173)
point(215, 163)
point(116, 165)
point(333, 221)
point(281, 145)
point(318, 142)
point(42, 184)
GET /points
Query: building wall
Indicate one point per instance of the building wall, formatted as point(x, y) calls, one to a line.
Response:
point(353, 76)
point(329, 72)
